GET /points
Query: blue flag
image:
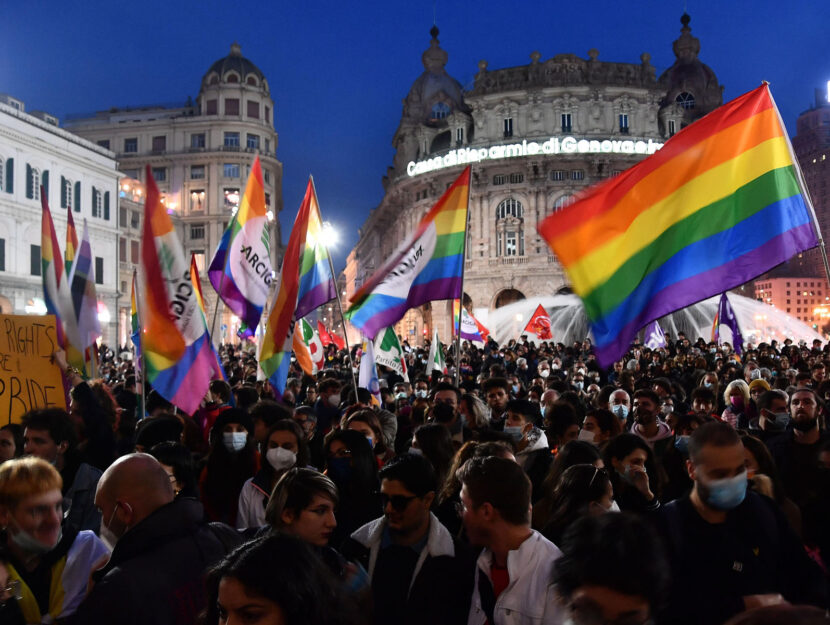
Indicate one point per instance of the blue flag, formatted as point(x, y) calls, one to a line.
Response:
point(727, 329)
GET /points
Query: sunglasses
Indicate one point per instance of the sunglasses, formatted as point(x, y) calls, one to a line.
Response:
point(398, 502)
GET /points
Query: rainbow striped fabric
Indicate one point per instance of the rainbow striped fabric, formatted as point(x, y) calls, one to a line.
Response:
point(178, 354)
point(316, 282)
point(56, 294)
point(71, 240)
point(84, 297)
point(425, 268)
point(275, 351)
point(721, 203)
point(241, 267)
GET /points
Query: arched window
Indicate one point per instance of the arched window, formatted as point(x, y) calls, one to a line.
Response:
point(440, 110)
point(510, 207)
point(510, 238)
point(686, 100)
point(562, 202)
point(232, 78)
point(251, 80)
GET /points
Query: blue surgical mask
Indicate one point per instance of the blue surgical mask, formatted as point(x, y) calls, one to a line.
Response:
point(708, 385)
point(777, 421)
point(681, 444)
point(401, 395)
point(621, 410)
point(515, 388)
point(515, 432)
point(725, 494)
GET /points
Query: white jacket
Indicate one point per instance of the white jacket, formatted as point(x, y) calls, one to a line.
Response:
point(529, 598)
point(439, 543)
point(250, 511)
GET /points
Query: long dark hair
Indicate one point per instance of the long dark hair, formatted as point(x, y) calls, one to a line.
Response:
point(621, 446)
point(570, 454)
point(436, 444)
point(364, 472)
point(285, 570)
point(580, 485)
point(303, 455)
point(226, 472)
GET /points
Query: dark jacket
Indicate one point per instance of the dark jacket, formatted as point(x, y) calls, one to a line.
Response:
point(155, 573)
point(442, 579)
point(754, 552)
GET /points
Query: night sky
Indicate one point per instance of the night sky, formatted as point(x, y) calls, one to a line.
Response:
point(338, 71)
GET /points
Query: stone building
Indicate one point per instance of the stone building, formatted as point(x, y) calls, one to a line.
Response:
point(76, 175)
point(536, 135)
point(200, 154)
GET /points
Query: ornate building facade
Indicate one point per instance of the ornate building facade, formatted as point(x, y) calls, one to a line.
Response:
point(535, 136)
point(76, 175)
point(200, 155)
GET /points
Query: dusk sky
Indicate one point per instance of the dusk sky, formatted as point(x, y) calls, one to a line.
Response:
point(338, 71)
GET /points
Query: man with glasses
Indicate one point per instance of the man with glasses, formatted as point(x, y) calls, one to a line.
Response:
point(417, 570)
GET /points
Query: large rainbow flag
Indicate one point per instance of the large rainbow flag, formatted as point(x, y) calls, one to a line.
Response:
point(84, 297)
point(275, 351)
point(720, 204)
point(56, 294)
point(241, 267)
point(71, 241)
point(178, 355)
point(427, 267)
point(316, 282)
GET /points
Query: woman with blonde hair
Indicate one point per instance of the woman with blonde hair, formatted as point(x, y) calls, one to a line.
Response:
point(736, 398)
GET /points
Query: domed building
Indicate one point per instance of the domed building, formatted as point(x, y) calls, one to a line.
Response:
point(200, 154)
point(535, 136)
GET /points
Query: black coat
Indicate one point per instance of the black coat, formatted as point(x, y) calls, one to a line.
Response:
point(155, 574)
point(754, 552)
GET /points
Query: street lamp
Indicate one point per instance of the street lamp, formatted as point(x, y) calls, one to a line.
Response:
point(328, 235)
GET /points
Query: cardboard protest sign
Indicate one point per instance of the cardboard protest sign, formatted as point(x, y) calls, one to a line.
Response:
point(27, 377)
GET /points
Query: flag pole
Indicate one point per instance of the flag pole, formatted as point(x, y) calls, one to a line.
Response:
point(457, 326)
point(337, 297)
point(803, 184)
point(140, 366)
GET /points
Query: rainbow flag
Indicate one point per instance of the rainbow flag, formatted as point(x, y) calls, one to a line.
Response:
point(316, 282)
point(275, 351)
point(425, 268)
point(56, 294)
point(84, 297)
point(71, 241)
point(722, 202)
point(178, 356)
point(218, 371)
point(241, 267)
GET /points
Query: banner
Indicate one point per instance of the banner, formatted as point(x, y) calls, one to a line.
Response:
point(28, 379)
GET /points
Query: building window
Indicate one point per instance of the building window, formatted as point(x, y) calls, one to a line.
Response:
point(134, 252)
point(231, 199)
point(197, 200)
point(267, 199)
point(558, 175)
point(253, 109)
point(160, 174)
point(197, 140)
point(672, 128)
point(99, 270)
point(578, 174)
point(459, 136)
point(135, 219)
point(9, 186)
point(510, 208)
point(624, 123)
point(159, 144)
point(267, 114)
point(231, 170)
point(122, 216)
point(516, 178)
point(197, 231)
point(686, 100)
point(508, 126)
point(122, 250)
point(231, 106)
point(32, 183)
point(231, 139)
point(34, 260)
point(566, 122)
point(210, 107)
point(253, 142)
point(199, 257)
point(266, 174)
point(131, 144)
point(197, 172)
point(267, 146)
point(104, 143)
point(562, 202)
point(97, 203)
point(499, 179)
point(2, 254)
point(132, 173)
point(440, 110)
point(66, 193)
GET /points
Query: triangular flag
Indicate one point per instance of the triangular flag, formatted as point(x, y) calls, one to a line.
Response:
point(539, 325)
point(324, 335)
point(389, 353)
point(655, 338)
point(84, 297)
point(436, 360)
point(727, 329)
point(315, 346)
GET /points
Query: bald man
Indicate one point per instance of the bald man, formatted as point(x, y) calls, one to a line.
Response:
point(161, 549)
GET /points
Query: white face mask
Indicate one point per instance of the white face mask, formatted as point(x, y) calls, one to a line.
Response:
point(280, 458)
point(614, 506)
point(334, 399)
point(543, 373)
point(588, 437)
point(234, 441)
point(416, 451)
point(30, 544)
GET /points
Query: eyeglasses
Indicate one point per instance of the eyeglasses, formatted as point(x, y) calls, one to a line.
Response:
point(398, 502)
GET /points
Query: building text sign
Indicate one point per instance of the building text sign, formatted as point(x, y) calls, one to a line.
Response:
point(554, 145)
point(27, 377)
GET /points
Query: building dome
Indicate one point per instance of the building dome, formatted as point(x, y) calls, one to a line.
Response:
point(234, 68)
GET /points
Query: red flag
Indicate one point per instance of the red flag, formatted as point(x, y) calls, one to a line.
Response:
point(539, 324)
point(325, 338)
point(484, 332)
point(341, 344)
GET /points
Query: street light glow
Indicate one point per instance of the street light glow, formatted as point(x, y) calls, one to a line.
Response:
point(328, 235)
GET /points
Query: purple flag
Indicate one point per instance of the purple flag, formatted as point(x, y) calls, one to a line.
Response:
point(655, 338)
point(726, 327)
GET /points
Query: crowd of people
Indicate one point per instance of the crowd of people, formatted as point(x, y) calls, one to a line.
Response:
point(684, 485)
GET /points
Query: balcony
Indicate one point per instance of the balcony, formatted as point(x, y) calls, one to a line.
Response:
point(508, 260)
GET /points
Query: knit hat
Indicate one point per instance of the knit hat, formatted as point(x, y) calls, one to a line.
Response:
point(759, 383)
